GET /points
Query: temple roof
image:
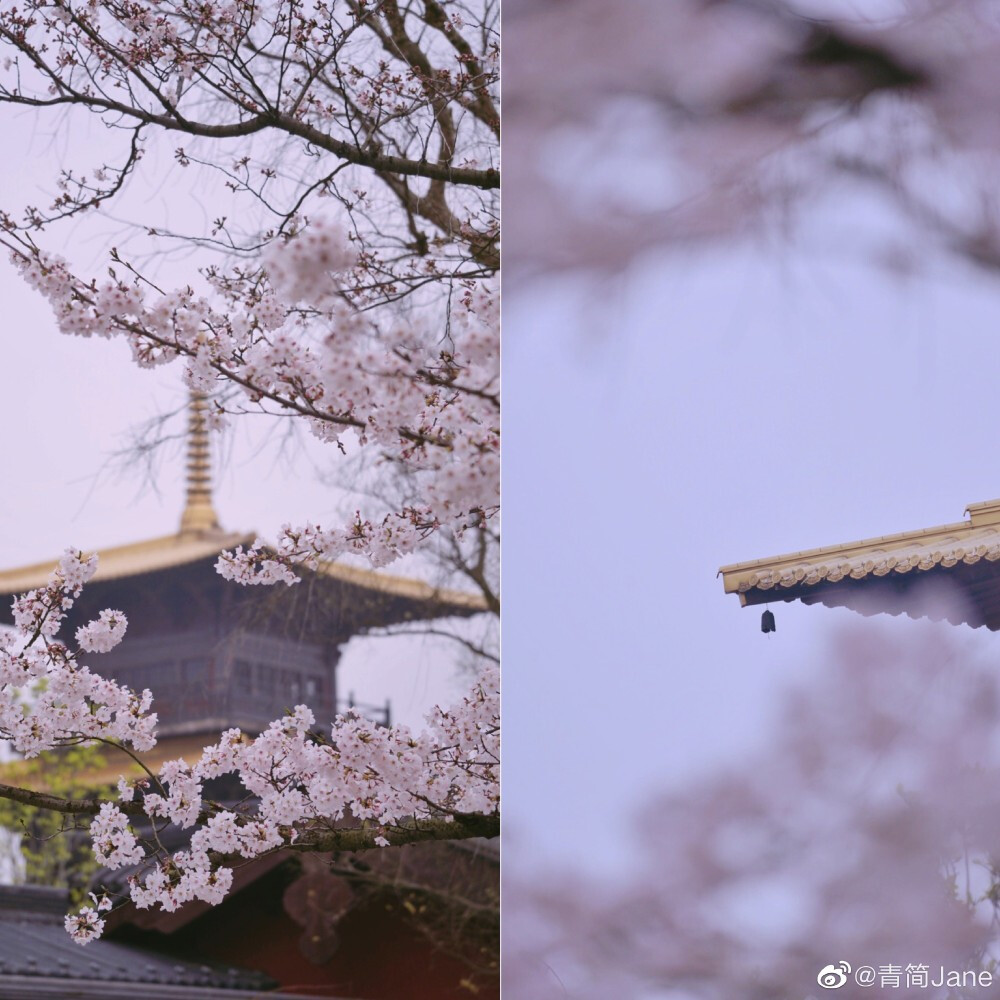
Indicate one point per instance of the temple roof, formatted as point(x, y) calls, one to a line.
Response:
point(157, 554)
point(39, 959)
point(131, 560)
point(950, 571)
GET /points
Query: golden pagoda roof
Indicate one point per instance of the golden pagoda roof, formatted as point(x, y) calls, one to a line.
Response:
point(131, 560)
point(882, 574)
point(158, 554)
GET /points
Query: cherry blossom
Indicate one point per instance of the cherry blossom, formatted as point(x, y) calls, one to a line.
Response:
point(104, 633)
point(303, 784)
point(86, 925)
point(432, 408)
point(67, 701)
point(114, 843)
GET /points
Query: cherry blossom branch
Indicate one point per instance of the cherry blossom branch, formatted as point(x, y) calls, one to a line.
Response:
point(460, 827)
point(397, 785)
point(56, 803)
point(14, 29)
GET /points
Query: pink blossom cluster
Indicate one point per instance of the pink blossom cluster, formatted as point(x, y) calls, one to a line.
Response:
point(114, 843)
point(104, 633)
point(310, 544)
point(305, 269)
point(427, 397)
point(181, 878)
point(49, 698)
point(87, 924)
point(301, 783)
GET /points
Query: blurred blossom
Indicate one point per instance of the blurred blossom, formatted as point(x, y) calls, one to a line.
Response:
point(746, 108)
point(866, 830)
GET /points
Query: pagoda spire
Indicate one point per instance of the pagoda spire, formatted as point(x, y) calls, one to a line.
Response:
point(199, 515)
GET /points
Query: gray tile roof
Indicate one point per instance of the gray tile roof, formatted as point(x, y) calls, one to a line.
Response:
point(34, 943)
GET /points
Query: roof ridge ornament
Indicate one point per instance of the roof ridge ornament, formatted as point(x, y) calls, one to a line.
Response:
point(199, 515)
point(986, 512)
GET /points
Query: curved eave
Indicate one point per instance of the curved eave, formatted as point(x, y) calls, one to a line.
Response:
point(135, 559)
point(951, 571)
point(462, 601)
point(170, 551)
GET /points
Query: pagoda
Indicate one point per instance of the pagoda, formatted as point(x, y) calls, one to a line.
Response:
point(218, 655)
point(946, 572)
